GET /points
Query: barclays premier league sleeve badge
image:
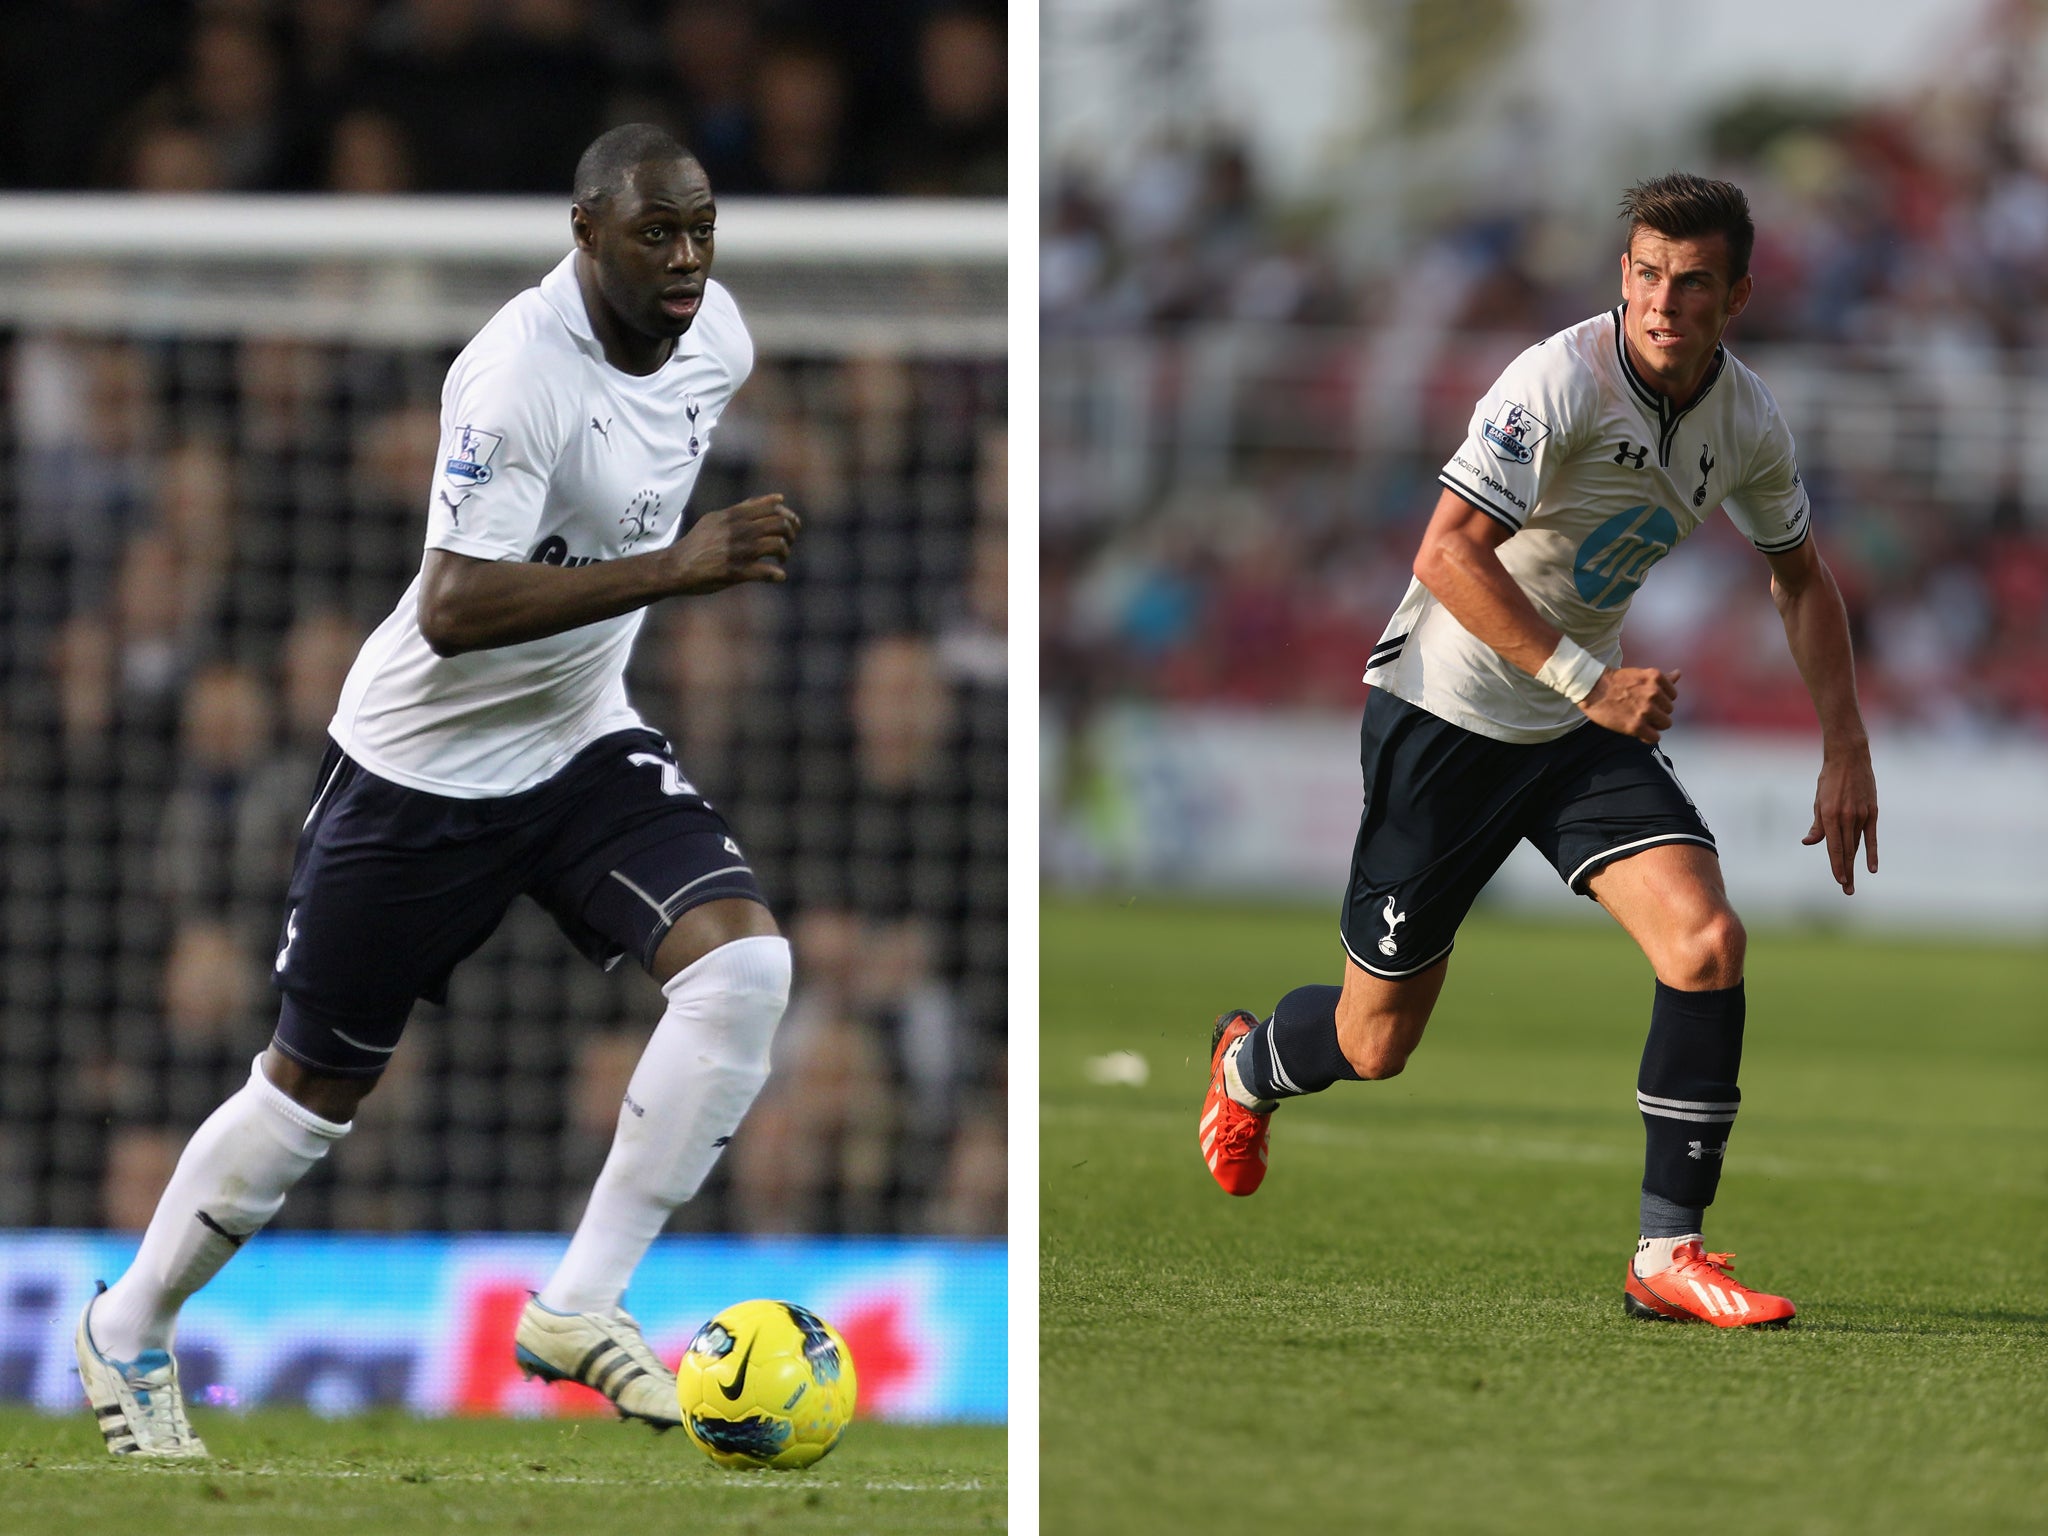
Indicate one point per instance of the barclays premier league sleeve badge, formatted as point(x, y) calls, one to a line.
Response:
point(470, 462)
point(1514, 432)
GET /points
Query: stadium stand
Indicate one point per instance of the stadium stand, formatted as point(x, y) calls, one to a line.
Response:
point(1242, 439)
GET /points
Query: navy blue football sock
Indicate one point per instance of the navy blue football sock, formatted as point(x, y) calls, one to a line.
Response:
point(1296, 1050)
point(1667, 1218)
point(1686, 1091)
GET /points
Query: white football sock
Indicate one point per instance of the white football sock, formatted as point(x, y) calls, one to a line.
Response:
point(1233, 1082)
point(701, 1070)
point(231, 1179)
point(1654, 1253)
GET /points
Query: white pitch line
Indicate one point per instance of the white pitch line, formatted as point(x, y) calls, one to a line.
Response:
point(769, 1482)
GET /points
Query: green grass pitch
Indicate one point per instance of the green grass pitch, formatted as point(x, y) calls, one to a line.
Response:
point(274, 1472)
point(1416, 1325)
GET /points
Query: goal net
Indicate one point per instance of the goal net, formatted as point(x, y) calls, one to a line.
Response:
point(221, 416)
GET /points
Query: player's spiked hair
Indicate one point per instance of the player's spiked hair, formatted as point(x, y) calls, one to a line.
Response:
point(601, 173)
point(1683, 206)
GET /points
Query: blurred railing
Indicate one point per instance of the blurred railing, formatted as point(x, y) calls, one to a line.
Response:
point(1135, 417)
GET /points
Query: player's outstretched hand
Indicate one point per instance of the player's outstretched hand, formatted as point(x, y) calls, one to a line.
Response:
point(1845, 812)
point(1633, 701)
point(747, 542)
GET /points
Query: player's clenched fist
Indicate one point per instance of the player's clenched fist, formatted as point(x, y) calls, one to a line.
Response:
point(1635, 701)
point(746, 542)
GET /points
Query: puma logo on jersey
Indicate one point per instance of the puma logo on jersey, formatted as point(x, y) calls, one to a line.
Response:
point(455, 507)
point(602, 429)
point(1393, 920)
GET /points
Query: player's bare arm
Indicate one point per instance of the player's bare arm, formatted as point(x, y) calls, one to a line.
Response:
point(467, 604)
point(1459, 564)
point(1817, 628)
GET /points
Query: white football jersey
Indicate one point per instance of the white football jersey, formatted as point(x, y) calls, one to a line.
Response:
point(1599, 476)
point(547, 453)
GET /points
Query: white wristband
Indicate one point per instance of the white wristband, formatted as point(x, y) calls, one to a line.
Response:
point(1572, 670)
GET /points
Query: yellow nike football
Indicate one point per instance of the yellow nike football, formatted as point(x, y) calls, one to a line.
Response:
point(766, 1384)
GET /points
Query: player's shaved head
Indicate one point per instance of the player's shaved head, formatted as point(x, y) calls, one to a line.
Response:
point(1682, 206)
point(601, 173)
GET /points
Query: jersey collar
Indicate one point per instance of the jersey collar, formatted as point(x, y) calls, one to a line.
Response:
point(1668, 415)
point(565, 298)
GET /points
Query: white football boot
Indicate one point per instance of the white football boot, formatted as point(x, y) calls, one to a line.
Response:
point(138, 1402)
point(604, 1351)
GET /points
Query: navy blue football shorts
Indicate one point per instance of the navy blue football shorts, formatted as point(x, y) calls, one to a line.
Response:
point(393, 887)
point(1444, 807)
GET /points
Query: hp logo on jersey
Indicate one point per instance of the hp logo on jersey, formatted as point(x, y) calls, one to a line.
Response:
point(1618, 554)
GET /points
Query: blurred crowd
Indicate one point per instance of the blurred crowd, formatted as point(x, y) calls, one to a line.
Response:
point(1243, 432)
point(777, 97)
point(196, 535)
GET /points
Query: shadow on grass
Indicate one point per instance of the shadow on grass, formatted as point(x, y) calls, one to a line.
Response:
point(1937, 1324)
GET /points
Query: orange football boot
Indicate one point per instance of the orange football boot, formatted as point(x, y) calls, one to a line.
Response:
point(1233, 1137)
point(1698, 1288)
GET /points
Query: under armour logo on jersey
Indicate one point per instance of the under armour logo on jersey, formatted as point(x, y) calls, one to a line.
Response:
point(1632, 460)
point(602, 429)
point(1706, 464)
point(1701, 1150)
point(1393, 920)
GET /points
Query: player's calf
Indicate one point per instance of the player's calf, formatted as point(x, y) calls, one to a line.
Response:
point(1299, 1050)
point(1688, 1096)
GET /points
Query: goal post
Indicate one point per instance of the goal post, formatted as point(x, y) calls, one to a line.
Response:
point(833, 275)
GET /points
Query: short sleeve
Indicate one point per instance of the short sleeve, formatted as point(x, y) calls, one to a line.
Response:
point(1771, 506)
point(1526, 424)
point(734, 345)
point(499, 442)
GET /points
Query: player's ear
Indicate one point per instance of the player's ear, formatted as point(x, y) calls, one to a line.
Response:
point(582, 228)
point(1738, 296)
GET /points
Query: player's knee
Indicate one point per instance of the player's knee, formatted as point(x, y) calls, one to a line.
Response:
point(1377, 1066)
point(1377, 1057)
point(746, 983)
point(331, 1097)
point(1711, 955)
